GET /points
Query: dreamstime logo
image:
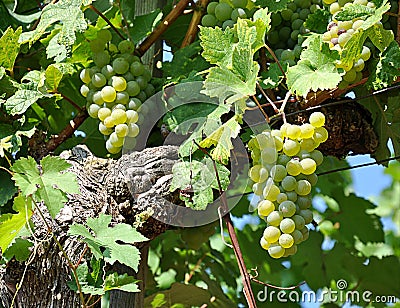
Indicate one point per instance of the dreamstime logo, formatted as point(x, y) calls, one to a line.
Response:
point(188, 109)
point(326, 295)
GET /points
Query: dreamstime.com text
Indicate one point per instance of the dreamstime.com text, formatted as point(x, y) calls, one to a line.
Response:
point(326, 295)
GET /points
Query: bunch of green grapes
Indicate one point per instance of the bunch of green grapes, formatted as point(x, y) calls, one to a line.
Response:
point(283, 172)
point(115, 87)
point(340, 32)
point(225, 13)
point(287, 29)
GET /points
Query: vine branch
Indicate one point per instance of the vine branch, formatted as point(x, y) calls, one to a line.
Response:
point(162, 27)
point(198, 12)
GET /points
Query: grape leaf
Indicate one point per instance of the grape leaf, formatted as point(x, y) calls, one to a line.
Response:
point(387, 70)
point(110, 238)
point(7, 187)
point(353, 11)
point(12, 224)
point(273, 77)
point(262, 23)
point(385, 111)
point(68, 13)
point(273, 5)
point(318, 21)
point(55, 73)
point(143, 25)
point(21, 101)
point(55, 50)
point(121, 282)
point(200, 176)
point(315, 70)
point(222, 139)
point(19, 250)
point(9, 48)
point(46, 181)
point(378, 250)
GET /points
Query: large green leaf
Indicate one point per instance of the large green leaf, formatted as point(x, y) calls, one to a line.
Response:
point(110, 238)
point(48, 182)
point(12, 224)
point(9, 48)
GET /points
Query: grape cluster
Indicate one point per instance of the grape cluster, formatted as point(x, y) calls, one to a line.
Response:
point(115, 88)
point(287, 29)
point(283, 172)
point(225, 14)
point(340, 32)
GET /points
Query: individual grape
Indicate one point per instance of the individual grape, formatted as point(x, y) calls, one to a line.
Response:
point(317, 156)
point(306, 131)
point(111, 148)
point(281, 197)
point(258, 188)
point(101, 58)
point(308, 144)
point(320, 134)
point(313, 179)
point(303, 187)
point(238, 13)
point(297, 236)
point(307, 215)
point(291, 195)
point(299, 221)
point(274, 218)
point(269, 155)
point(223, 11)
point(306, 233)
point(228, 23)
point(271, 234)
point(122, 98)
point(291, 147)
point(317, 119)
point(287, 208)
point(98, 98)
point(120, 65)
point(350, 76)
point(286, 240)
point(107, 71)
point(296, 24)
point(133, 130)
point(239, 3)
point(365, 53)
point(284, 33)
point(85, 75)
point(211, 7)
point(265, 245)
point(258, 174)
point(137, 69)
point(308, 166)
point(98, 80)
point(121, 130)
point(142, 82)
point(276, 251)
point(84, 90)
point(108, 93)
point(334, 8)
point(118, 116)
point(109, 122)
point(126, 46)
point(304, 202)
point(209, 20)
point(104, 113)
point(115, 140)
point(104, 130)
point(293, 167)
point(118, 83)
point(293, 132)
point(286, 14)
point(119, 106)
point(288, 55)
point(289, 183)
point(131, 116)
point(278, 173)
point(265, 207)
point(93, 110)
point(283, 159)
point(287, 225)
point(104, 35)
point(271, 192)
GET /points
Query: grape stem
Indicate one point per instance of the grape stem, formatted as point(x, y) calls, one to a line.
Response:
point(198, 13)
point(162, 27)
point(261, 109)
point(360, 165)
point(79, 108)
point(248, 292)
point(276, 59)
point(267, 97)
point(94, 9)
